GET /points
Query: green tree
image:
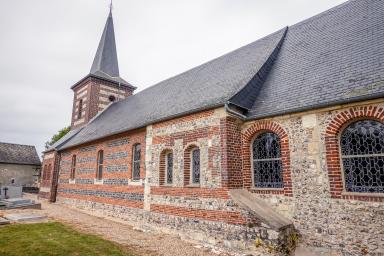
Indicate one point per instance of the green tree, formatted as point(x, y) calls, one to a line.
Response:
point(57, 136)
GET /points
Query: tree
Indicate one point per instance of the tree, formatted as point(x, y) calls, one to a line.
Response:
point(57, 136)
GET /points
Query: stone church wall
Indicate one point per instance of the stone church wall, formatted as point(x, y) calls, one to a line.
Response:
point(353, 224)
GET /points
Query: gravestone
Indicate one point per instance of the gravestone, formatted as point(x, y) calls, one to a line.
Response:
point(11, 191)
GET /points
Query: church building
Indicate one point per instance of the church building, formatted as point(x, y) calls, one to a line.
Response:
point(276, 143)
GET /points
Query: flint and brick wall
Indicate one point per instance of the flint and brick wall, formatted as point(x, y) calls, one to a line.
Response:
point(322, 213)
point(352, 224)
point(116, 186)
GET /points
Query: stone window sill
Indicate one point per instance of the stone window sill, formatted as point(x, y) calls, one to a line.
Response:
point(135, 182)
point(193, 186)
point(362, 194)
point(98, 182)
point(267, 190)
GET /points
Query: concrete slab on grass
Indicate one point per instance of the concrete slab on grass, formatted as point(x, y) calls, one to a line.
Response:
point(20, 217)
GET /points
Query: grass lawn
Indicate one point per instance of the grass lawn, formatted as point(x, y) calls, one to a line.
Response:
point(53, 239)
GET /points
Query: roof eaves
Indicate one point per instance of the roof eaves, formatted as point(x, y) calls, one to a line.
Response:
point(121, 83)
point(317, 106)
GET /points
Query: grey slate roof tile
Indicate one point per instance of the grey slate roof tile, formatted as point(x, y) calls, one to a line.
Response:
point(18, 154)
point(336, 56)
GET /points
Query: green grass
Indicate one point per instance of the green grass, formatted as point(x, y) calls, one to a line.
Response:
point(53, 239)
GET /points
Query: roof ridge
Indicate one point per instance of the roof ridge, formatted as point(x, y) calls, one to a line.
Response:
point(18, 144)
point(321, 14)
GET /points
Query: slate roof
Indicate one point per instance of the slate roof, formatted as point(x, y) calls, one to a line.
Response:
point(336, 56)
point(18, 154)
point(332, 58)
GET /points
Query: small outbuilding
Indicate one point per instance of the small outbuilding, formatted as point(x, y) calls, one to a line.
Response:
point(19, 165)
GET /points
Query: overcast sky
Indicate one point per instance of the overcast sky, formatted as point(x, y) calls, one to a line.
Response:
point(48, 45)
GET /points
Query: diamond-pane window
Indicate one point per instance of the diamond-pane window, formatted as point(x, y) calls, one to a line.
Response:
point(267, 165)
point(362, 153)
point(136, 162)
point(196, 165)
point(169, 161)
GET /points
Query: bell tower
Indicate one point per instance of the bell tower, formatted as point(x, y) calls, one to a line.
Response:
point(103, 85)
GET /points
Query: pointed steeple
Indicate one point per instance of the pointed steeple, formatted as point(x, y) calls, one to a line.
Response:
point(105, 62)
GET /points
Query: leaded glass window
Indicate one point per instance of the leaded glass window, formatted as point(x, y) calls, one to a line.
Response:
point(136, 162)
point(100, 160)
point(362, 153)
point(267, 165)
point(73, 167)
point(195, 155)
point(169, 161)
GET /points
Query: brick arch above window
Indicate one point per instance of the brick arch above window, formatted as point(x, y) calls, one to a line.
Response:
point(332, 147)
point(247, 139)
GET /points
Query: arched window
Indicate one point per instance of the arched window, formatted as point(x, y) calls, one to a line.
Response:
point(73, 167)
point(80, 111)
point(99, 170)
point(169, 166)
point(362, 154)
point(136, 162)
point(267, 164)
point(195, 166)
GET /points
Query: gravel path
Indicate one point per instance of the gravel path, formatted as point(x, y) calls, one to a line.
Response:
point(142, 243)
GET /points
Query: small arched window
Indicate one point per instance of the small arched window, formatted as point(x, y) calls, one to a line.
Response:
point(73, 168)
point(136, 162)
point(80, 111)
point(100, 160)
point(169, 166)
point(362, 154)
point(195, 166)
point(267, 164)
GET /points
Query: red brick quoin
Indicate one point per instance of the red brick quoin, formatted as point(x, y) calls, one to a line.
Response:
point(333, 154)
point(247, 139)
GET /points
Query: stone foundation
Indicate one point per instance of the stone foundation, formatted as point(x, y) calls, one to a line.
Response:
point(234, 238)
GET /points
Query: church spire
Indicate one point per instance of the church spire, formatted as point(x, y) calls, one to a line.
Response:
point(105, 63)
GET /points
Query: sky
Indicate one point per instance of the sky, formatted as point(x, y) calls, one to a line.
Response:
point(46, 46)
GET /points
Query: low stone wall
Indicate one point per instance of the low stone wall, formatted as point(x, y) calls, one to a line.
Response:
point(235, 238)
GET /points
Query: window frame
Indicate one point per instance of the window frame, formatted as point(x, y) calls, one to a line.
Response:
point(136, 161)
point(191, 181)
point(99, 173)
point(252, 162)
point(80, 109)
point(340, 155)
point(166, 171)
point(72, 174)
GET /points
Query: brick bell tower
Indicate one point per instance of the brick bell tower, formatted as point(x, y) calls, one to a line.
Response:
point(103, 85)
